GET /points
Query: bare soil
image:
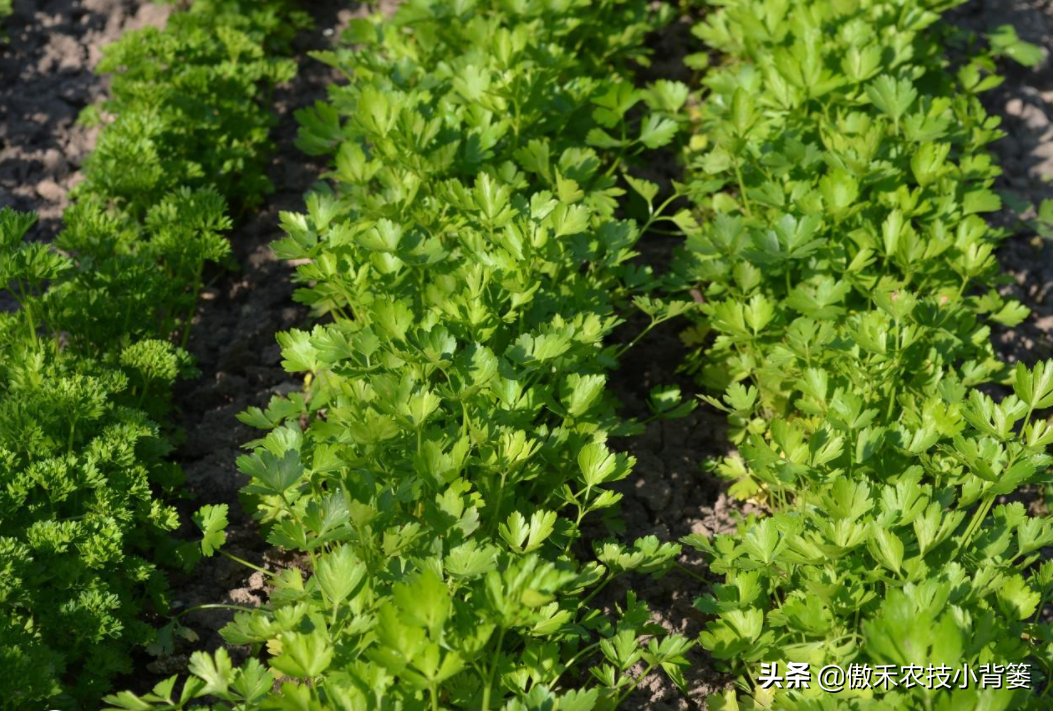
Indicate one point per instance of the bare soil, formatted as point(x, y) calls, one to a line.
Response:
point(233, 341)
point(1025, 104)
point(670, 495)
point(46, 79)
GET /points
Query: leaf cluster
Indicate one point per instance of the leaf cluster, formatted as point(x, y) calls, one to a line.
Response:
point(87, 359)
point(454, 431)
point(189, 104)
point(82, 465)
point(839, 177)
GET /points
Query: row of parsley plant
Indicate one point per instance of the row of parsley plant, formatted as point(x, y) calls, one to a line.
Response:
point(87, 344)
point(465, 265)
point(839, 177)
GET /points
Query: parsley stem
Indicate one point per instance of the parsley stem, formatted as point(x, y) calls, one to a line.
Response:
point(247, 564)
point(656, 214)
point(664, 233)
point(571, 662)
point(1041, 606)
point(636, 682)
point(975, 523)
point(634, 341)
point(595, 591)
point(487, 690)
point(214, 606)
point(891, 402)
point(742, 189)
point(499, 501)
point(690, 572)
point(28, 312)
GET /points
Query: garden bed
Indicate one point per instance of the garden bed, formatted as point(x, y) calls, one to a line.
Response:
point(46, 80)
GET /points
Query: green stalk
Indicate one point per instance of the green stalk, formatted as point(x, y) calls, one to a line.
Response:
point(488, 689)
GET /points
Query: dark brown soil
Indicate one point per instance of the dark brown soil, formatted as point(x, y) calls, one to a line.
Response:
point(1025, 104)
point(46, 79)
point(233, 341)
point(669, 496)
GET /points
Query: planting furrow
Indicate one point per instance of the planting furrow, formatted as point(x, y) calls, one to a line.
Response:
point(848, 279)
point(668, 495)
point(88, 358)
point(233, 345)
